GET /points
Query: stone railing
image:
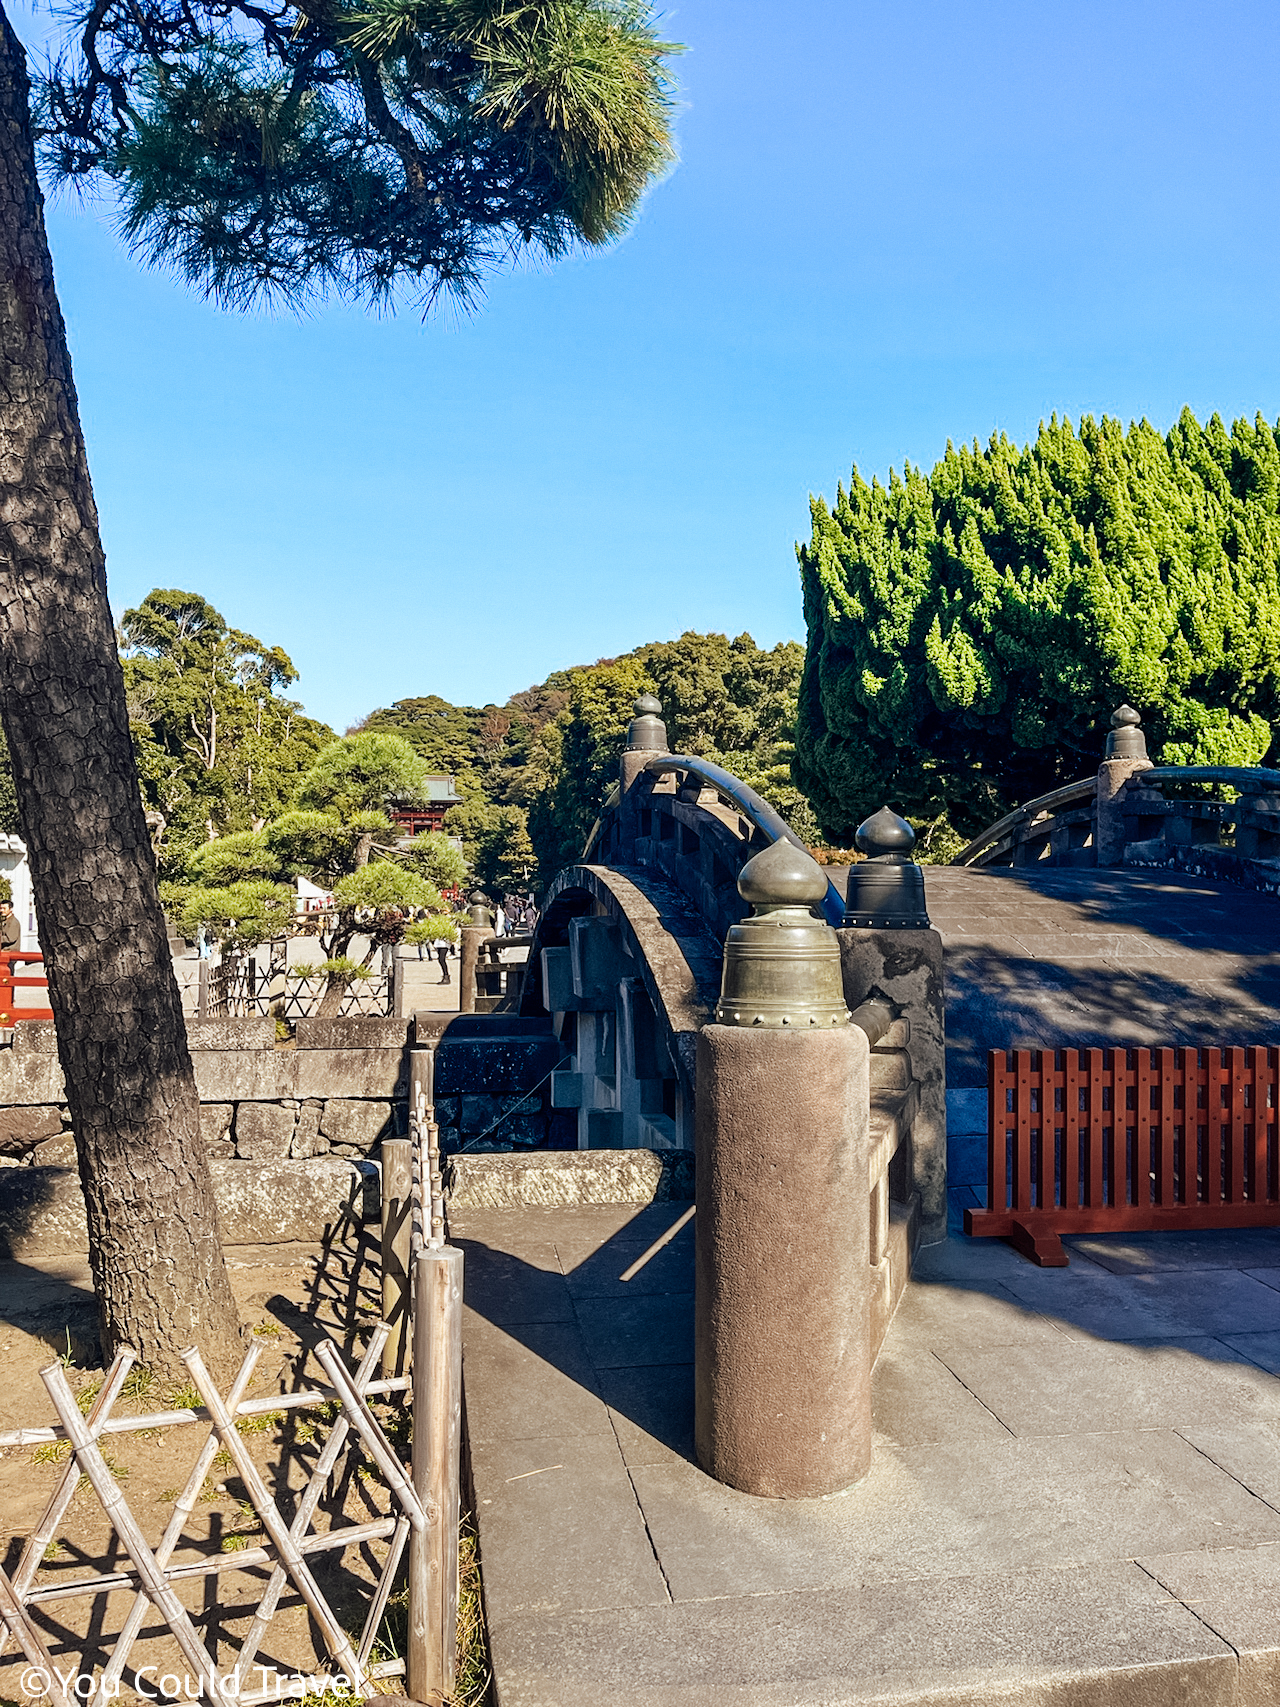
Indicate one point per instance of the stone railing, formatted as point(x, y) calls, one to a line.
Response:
point(1214, 820)
point(627, 963)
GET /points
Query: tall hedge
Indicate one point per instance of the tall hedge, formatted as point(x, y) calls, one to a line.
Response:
point(970, 631)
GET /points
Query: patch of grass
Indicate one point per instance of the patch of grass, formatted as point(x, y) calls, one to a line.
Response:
point(52, 1551)
point(167, 1497)
point(262, 1424)
point(222, 1459)
point(267, 1330)
point(185, 1397)
point(51, 1452)
point(88, 1393)
point(474, 1674)
point(235, 1542)
point(140, 1386)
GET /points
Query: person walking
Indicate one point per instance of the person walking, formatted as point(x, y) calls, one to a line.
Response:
point(442, 955)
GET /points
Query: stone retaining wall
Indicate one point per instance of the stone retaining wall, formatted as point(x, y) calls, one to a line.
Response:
point(338, 1090)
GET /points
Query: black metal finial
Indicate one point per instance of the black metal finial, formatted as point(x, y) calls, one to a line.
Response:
point(647, 733)
point(886, 889)
point(1126, 740)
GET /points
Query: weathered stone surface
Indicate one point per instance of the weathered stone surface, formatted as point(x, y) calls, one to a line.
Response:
point(254, 1032)
point(906, 966)
point(350, 1072)
point(306, 1134)
point(272, 1203)
point(35, 1037)
point(358, 1123)
point(248, 1075)
point(215, 1121)
point(494, 1066)
point(56, 1152)
point(782, 1143)
point(550, 1177)
point(21, 1129)
point(357, 1032)
point(30, 1078)
point(41, 1211)
point(264, 1130)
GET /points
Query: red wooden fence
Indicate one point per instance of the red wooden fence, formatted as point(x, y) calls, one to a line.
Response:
point(10, 1010)
point(1126, 1140)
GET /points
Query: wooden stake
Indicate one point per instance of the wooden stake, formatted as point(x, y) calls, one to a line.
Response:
point(397, 1233)
point(437, 1472)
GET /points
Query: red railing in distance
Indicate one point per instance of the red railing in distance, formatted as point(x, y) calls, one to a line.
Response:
point(12, 979)
point(1127, 1140)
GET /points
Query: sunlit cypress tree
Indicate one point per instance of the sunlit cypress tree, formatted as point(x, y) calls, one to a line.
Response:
point(970, 631)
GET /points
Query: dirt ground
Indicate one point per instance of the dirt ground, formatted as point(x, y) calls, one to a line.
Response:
point(290, 1297)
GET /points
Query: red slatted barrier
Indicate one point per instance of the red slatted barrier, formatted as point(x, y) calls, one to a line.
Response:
point(1127, 1140)
point(10, 1010)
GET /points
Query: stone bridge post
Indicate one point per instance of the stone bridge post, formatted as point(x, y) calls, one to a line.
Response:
point(887, 949)
point(782, 1364)
point(1126, 755)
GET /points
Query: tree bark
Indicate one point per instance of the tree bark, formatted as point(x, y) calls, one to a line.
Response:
point(156, 1255)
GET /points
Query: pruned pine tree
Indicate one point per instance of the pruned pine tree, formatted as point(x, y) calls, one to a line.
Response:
point(158, 1270)
point(272, 150)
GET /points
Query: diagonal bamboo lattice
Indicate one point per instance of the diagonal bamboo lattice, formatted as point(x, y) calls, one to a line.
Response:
point(153, 1572)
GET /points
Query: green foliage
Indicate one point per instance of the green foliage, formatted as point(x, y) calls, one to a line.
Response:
point(436, 860)
point(436, 927)
point(6, 890)
point(9, 825)
point(384, 887)
point(361, 773)
point(236, 914)
point(971, 631)
point(218, 747)
point(274, 153)
point(534, 772)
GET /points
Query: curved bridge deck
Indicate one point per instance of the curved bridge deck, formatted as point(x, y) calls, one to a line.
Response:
point(1047, 959)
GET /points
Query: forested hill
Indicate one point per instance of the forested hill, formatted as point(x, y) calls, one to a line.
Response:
point(534, 771)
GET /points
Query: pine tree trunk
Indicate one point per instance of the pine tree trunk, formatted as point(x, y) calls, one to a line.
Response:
point(157, 1260)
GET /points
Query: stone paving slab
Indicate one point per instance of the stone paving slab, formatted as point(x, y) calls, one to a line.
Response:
point(1053, 1638)
point(1032, 1447)
point(1038, 959)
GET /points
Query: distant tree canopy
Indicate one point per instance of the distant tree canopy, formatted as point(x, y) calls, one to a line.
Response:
point(970, 631)
point(534, 772)
point(219, 748)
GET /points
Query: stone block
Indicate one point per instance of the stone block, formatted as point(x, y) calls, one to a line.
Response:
point(350, 1072)
point(525, 1131)
point(245, 1075)
point(543, 1178)
point(57, 1152)
point(27, 1079)
point(307, 1141)
point(479, 1113)
point(35, 1036)
point(361, 1124)
point(21, 1129)
point(41, 1212)
point(259, 1203)
point(253, 1032)
point(264, 1130)
point(357, 1032)
point(495, 1063)
point(215, 1121)
point(269, 1203)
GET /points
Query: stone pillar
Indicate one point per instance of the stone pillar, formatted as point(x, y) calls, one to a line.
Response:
point(782, 1364)
point(646, 735)
point(887, 948)
point(1126, 755)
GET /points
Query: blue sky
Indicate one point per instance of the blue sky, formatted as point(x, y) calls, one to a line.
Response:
point(892, 224)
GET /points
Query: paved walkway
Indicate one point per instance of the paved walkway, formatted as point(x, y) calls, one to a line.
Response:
point(1075, 1494)
point(1041, 958)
